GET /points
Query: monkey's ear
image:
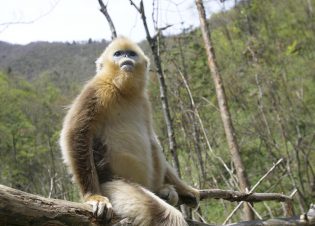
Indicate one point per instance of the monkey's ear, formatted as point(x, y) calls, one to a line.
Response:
point(99, 64)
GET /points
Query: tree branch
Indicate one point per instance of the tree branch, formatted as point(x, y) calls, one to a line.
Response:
point(18, 208)
point(21, 208)
point(255, 186)
point(103, 9)
point(236, 196)
point(154, 42)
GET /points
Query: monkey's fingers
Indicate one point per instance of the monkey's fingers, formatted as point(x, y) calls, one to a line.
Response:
point(101, 207)
point(169, 194)
point(105, 209)
point(191, 199)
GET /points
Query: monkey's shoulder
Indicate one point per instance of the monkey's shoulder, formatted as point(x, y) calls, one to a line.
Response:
point(94, 96)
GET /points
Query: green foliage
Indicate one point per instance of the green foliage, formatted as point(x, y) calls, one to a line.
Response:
point(29, 125)
point(265, 52)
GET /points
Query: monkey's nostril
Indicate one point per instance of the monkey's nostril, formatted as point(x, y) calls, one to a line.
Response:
point(127, 62)
point(127, 65)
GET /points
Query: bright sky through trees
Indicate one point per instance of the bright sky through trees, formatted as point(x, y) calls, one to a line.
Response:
point(22, 22)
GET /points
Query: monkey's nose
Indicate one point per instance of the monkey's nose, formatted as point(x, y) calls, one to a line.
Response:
point(127, 65)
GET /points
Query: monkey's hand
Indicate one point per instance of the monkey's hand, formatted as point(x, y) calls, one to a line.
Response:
point(169, 194)
point(102, 208)
point(190, 197)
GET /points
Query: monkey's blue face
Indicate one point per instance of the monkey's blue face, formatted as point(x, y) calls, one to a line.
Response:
point(126, 59)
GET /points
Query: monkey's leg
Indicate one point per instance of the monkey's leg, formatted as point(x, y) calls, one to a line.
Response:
point(187, 195)
point(140, 205)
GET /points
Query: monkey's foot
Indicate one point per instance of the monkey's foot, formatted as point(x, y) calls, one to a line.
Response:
point(169, 194)
point(102, 208)
point(190, 198)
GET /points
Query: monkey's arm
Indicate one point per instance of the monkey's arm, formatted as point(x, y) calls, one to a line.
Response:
point(187, 195)
point(78, 134)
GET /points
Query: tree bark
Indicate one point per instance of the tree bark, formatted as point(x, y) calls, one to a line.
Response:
point(19, 208)
point(236, 196)
point(223, 106)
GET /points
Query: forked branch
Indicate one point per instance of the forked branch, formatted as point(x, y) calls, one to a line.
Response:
point(103, 9)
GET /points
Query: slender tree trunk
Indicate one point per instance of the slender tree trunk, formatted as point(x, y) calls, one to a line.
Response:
point(53, 190)
point(154, 43)
point(223, 106)
point(165, 105)
point(309, 8)
point(192, 116)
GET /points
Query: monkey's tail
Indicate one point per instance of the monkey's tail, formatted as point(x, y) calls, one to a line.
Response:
point(140, 205)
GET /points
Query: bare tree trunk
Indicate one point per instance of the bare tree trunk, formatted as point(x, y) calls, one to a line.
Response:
point(53, 174)
point(153, 41)
point(224, 110)
point(191, 115)
point(309, 8)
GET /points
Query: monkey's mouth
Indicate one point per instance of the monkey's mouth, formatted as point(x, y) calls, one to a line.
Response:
point(127, 65)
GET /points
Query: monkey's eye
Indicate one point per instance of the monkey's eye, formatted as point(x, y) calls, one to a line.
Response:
point(118, 53)
point(132, 53)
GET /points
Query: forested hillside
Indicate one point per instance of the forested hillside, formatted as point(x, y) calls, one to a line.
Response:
point(265, 52)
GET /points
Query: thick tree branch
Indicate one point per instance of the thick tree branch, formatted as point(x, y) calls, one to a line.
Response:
point(19, 208)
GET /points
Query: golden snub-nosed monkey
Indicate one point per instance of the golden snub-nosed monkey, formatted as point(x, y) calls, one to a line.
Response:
point(108, 143)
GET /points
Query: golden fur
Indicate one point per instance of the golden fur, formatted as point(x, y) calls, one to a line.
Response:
point(111, 149)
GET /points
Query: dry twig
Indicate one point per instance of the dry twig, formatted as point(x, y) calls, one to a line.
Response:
point(108, 18)
point(236, 196)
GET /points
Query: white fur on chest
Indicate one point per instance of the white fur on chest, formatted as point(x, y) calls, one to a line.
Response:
point(127, 138)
